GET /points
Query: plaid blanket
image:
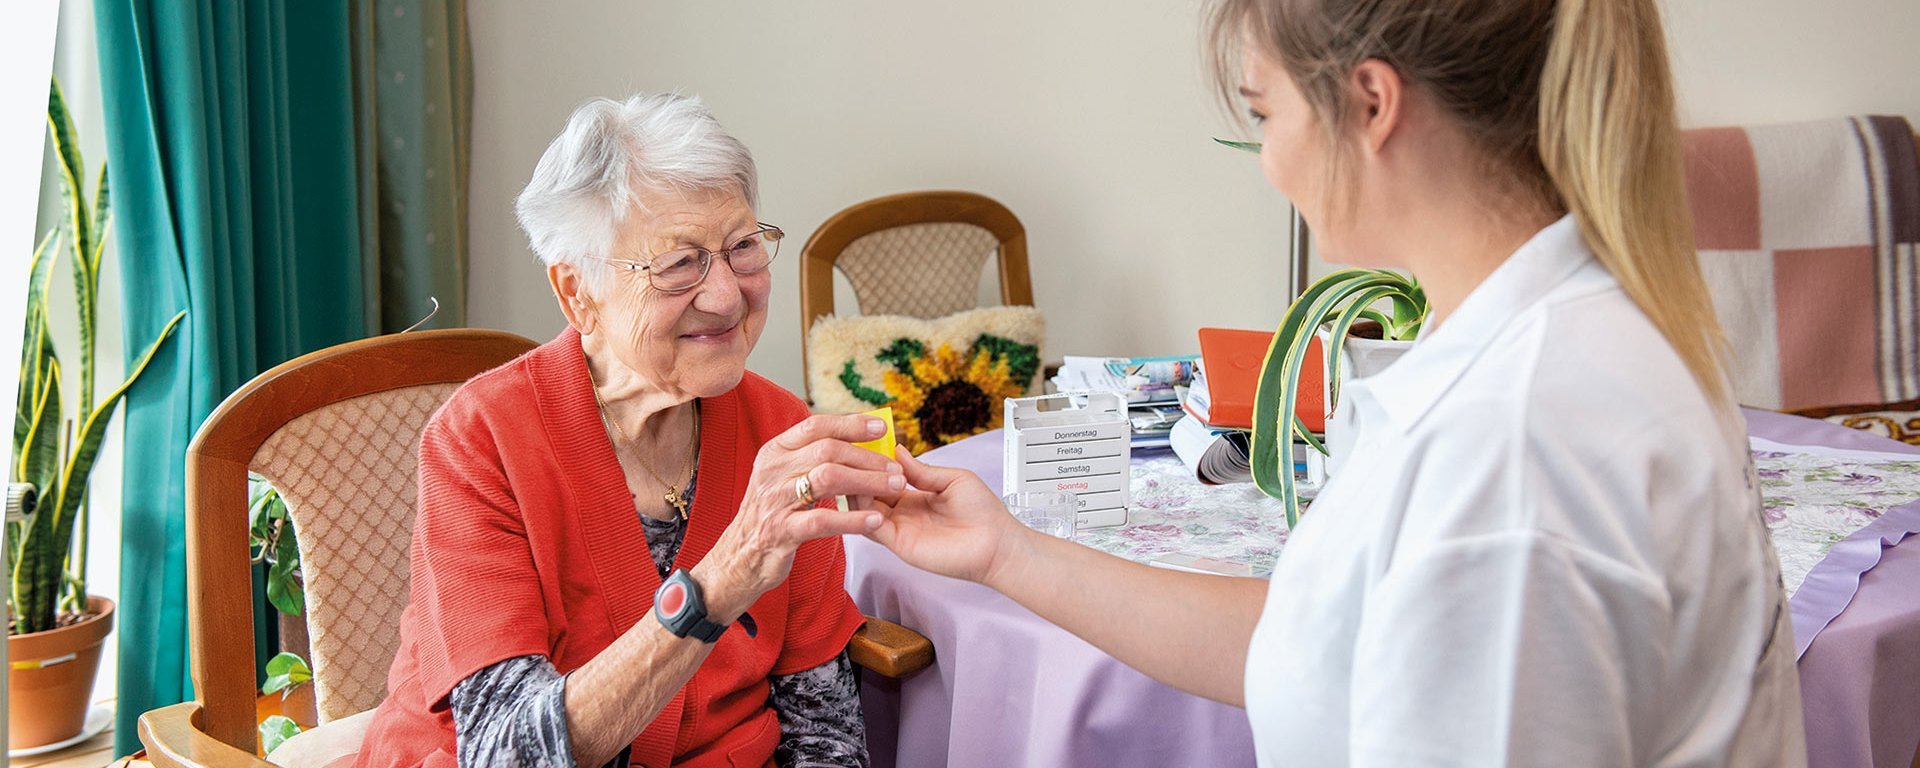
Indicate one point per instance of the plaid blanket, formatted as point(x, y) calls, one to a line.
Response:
point(1809, 238)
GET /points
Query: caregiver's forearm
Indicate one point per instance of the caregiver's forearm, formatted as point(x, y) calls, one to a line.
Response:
point(1187, 630)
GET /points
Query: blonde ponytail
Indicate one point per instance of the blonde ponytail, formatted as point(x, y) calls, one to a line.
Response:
point(1610, 142)
point(1572, 97)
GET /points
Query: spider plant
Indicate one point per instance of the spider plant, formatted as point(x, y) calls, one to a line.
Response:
point(50, 547)
point(1341, 299)
point(1336, 301)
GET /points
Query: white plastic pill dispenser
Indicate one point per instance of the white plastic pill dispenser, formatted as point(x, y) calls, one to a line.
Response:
point(1072, 441)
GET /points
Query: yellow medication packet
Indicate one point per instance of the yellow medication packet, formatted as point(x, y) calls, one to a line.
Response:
point(883, 444)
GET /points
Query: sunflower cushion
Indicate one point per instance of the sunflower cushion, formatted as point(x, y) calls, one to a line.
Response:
point(944, 378)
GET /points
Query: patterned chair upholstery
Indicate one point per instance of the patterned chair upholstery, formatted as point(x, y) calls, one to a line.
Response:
point(346, 472)
point(337, 432)
point(917, 254)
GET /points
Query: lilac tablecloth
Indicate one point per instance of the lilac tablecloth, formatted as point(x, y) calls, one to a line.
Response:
point(1860, 678)
point(1008, 689)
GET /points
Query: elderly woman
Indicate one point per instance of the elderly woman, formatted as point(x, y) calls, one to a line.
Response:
point(619, 558)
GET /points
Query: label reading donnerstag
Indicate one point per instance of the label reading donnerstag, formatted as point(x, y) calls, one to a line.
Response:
point(1097, 449)
point(1065, 433)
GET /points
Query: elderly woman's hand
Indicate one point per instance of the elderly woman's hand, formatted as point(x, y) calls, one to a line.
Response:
point(757, 549)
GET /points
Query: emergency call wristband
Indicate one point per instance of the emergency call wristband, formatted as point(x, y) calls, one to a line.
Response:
point(681, 609)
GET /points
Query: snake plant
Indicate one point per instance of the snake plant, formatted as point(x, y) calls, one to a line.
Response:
point(49, 548)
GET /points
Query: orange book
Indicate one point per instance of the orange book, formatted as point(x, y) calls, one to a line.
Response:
point(1231, 360)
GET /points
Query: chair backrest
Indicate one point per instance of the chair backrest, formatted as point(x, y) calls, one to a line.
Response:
point(917, 254)
point(337, 432)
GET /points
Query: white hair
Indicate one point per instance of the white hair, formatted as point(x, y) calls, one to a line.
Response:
point(611, 152)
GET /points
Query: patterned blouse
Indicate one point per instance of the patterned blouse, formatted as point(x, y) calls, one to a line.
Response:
point(514, 712)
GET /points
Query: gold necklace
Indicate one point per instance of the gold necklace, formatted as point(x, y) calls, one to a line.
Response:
point(674, 496)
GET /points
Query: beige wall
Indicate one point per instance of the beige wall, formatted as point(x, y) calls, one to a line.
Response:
point(1090, 119)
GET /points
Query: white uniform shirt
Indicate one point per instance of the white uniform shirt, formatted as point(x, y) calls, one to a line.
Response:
point(1542, 547)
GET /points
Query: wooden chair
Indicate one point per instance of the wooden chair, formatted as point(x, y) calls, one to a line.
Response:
point(337, 432)
point(917, 254)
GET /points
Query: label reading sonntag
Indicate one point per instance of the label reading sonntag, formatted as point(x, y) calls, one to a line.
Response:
point(1097, 484)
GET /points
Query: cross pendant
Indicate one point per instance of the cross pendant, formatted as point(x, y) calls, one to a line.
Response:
point(675, 500)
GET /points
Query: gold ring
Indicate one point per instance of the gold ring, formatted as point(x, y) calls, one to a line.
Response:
point(803, 490)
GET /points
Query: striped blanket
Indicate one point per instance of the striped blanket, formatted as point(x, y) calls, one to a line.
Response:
point(1809, 238)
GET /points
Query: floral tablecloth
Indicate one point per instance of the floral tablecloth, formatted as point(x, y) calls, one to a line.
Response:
point(1811, 500)
point(1173, 512)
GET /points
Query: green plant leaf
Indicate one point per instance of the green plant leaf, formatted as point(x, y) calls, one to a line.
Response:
point(36, 350)
point(1245, 146)
point(1385, 323)
point(1336, 335)
point(260, 520)
point(283, 582)
point(1275, 424)
point(86, 449)
point(283, 590)
point(102, 212)
point(73, 174)
point(284, 671)
point(39, 448)
point(275, 731)
point(39, 576)
point(278, 684)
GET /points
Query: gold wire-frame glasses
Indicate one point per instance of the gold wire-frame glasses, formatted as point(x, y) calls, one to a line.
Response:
point(682, 269)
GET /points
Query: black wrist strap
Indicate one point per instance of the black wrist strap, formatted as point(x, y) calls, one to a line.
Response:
point(706, 631)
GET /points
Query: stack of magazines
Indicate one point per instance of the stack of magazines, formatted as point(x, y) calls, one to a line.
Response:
point(1215, 436)
point(1221, 455)
point(1153, 387)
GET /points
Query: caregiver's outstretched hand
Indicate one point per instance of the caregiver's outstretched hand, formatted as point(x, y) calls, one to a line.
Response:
point(1188, 630)
point(949, 522)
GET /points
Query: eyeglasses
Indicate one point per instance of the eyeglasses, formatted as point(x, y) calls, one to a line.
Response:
point(679, 270)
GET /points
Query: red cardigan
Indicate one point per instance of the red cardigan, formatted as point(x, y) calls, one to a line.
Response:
point(527, 542)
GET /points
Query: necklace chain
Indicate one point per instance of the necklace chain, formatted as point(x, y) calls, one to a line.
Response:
point(674, 497)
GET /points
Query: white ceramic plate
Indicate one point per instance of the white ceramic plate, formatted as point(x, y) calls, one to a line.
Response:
point(98, 719)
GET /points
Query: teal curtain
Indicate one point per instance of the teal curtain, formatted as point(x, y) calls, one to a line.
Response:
point(415, 95)
point(292, 174)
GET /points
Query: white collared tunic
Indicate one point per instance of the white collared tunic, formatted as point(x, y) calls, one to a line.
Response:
point(1541, 546)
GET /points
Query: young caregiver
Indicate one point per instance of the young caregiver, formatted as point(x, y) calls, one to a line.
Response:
point(1544, 546)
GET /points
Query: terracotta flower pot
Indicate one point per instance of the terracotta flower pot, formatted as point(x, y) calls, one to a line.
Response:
point(50, 684)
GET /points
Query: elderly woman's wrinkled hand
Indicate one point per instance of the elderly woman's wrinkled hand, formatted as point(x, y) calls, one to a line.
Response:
point(757, 550)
